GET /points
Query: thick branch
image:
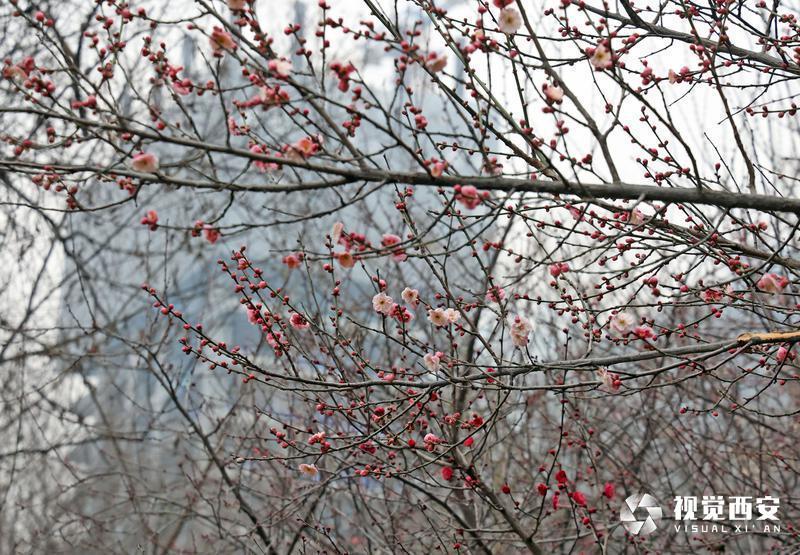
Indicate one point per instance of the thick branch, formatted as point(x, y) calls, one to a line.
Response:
point(584, 191)
point(667, 33)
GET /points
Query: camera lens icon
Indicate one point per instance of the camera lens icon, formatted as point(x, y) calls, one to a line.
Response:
point(640, 513)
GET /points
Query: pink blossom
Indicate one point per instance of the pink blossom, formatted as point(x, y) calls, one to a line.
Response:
point(15, 73)
point(772, 283)
point(491, 166)
point(90, 102)
point(673, 77)
point(542, 489)
point(281, 68)
point(221, 40)
point(605, 377)
point(253, 315)
point(345, 259)
point(438, 317)
point(293, 260)
point(437, 169)
point(336, 232)
point(343, 72)
point(495, 294)
point(636, 217)
point(304, 148)
point(298, 321)
point(181, 88)
point(558, 268)
point(711, 295)
point(576, 214)
point(579, 498)
point(431, 438)
point(150, 219)
point(402, 314)
point(368, 447)
point(782, 353)
point(260, 164)
point(233, 127)
point(509, 21)
point(319, 437)
point(145, 162)
point(469, 196)
point(382, 303)
point(608, 490)
point(432, 361)
point(277, 341)
point(308, 469)
point(452, 315)
point(644, 332)
point(212, 234)
point(272, 96)
point(601, 58)
point(410, 296)
point(389, 240)
point(520, 331)
point(553, 93)
point(436, 62)
point(621, 321)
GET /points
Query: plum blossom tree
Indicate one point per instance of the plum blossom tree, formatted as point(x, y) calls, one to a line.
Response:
point(396, 275)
